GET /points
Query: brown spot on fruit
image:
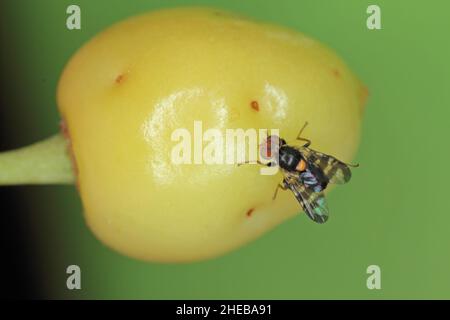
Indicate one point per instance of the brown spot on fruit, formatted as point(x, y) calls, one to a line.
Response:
point(250, 212)
point(120, 78)
point(336, 73)
point(255, 105)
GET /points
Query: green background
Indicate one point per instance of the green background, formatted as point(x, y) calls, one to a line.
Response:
point(394, 213)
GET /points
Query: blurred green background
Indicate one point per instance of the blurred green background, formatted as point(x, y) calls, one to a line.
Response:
point(393, 214)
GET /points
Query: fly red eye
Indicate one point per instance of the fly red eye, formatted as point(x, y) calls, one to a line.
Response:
point(269, 148)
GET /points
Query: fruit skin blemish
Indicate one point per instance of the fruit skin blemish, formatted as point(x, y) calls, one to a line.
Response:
point(123, 94)
point(255, 105)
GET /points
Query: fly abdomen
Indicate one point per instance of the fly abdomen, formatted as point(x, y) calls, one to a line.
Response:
point(309, 180)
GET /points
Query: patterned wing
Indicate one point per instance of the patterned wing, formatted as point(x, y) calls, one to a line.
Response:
point(313, 202)
point(325, 167)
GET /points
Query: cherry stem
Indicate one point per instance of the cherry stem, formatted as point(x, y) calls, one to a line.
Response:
point(44, 162)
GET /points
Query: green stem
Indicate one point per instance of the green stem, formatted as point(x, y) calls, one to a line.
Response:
point(44, 162)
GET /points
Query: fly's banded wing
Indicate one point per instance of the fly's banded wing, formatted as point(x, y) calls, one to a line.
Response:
point(326, 167)
point(313, 203)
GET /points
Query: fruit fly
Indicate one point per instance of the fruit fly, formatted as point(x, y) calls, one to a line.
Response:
point(306, 172)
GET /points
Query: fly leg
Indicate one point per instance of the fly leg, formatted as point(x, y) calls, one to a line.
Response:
point(308, 142)
point(268, 164)
point(281, 185)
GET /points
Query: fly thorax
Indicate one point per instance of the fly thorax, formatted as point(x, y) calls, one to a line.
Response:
point(289, 158)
